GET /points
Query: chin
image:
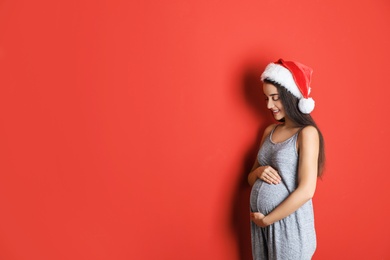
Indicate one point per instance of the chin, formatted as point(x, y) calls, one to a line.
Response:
point(279, 117)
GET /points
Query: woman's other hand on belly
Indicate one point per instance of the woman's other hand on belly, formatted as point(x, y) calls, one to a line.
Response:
point(259, 219)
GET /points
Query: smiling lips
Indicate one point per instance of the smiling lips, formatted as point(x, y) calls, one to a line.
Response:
point(275, 111)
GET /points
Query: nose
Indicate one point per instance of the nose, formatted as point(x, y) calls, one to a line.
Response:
point(270, 103)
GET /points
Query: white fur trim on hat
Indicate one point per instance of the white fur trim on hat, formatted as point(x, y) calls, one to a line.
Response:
point(283, 76)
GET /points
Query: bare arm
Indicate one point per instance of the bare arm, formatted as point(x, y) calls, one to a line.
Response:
point(258, 170)
point(308, 143)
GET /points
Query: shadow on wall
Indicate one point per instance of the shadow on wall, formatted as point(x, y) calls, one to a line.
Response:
point(253, 95)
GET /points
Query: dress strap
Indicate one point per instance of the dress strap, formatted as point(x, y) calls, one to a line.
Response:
point(273, 130)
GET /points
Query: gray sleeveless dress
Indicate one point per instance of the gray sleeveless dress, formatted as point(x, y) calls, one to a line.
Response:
point(293, 237)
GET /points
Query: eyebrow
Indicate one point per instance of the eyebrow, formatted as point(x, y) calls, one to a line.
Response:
point(272, 95)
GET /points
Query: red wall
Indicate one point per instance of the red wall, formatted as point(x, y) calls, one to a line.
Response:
point(127, 129)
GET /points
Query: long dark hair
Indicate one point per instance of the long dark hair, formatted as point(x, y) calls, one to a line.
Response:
point(290, 104)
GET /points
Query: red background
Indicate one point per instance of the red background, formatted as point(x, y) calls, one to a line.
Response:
point(127, 128)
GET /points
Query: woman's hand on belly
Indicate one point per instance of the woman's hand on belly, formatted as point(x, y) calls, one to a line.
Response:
point(268, 175)
point(258, 218)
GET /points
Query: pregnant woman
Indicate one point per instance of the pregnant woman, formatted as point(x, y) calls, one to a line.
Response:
point(284, 176)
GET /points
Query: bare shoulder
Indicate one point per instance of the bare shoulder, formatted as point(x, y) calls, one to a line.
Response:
point(309, 131)
point(308, 135)
point(267, 131)
point(269, 128)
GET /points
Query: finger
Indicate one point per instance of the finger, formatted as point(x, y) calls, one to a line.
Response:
point(274, 176)
point(271, 180)
point(272, 172)
point(267, 179)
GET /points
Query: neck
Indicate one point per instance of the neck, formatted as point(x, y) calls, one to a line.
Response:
point(288, 123)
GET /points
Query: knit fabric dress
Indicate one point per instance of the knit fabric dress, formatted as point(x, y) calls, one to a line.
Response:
point(293, 237)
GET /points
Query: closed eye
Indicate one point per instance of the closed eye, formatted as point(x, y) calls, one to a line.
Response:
point(275, 97)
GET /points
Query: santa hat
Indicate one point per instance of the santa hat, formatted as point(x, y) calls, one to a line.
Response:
point(295, 77)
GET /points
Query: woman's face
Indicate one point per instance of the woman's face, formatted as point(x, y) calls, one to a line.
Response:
point(274, 104)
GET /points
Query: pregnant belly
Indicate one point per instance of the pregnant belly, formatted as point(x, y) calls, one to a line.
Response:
point(266, 197)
